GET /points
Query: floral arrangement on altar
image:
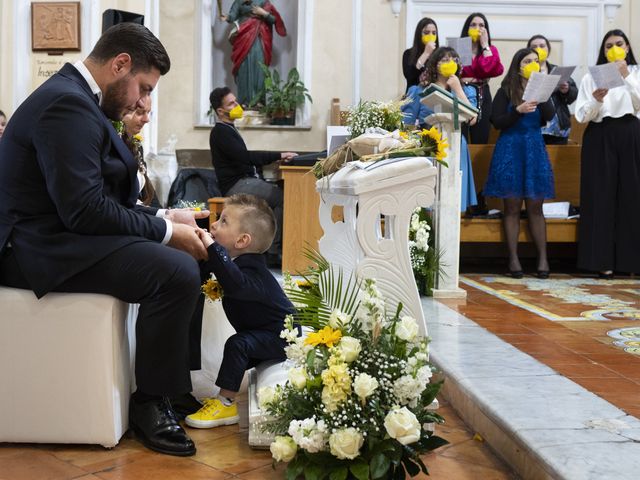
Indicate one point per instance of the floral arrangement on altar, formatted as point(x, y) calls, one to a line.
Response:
point(376, 135)
point(356, 401)
point(425, 257)
point(372, 114)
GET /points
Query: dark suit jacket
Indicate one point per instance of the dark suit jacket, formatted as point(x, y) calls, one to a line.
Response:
point(230, 157)
point(68, 185)
point(252, 297)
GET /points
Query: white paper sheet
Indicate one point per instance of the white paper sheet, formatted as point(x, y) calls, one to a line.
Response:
point(540, 87)
point(564, 72)
point(606, 76)
point(555, 209)
point(463, 47)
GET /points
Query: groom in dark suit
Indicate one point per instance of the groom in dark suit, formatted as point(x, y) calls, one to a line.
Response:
point(69, 220)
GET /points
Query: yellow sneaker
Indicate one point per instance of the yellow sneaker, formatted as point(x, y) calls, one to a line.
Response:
point(213, 413)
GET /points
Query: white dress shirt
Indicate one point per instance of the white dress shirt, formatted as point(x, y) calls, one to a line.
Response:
point(618, 102)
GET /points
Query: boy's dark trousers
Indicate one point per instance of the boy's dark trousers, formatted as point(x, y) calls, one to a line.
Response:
point(245, 350)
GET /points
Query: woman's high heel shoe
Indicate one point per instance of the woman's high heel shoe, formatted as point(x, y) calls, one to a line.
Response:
point(516, 273)
point(542, 274)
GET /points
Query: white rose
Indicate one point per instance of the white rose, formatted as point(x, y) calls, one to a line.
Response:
point(402, 425)
point(266, 395)
point(350, 348)
point(337, 319)
point(407, 328)
point(283, 449)
point(298, 377)
point(346, 443)
point(364, 385)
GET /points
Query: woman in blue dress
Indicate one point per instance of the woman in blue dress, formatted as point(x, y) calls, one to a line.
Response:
point(520, 167)
point(442, 69)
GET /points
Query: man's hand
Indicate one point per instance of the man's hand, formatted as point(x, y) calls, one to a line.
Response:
point(187, 239)
point(564, 87)
point(599, 94)
point(186, 216)
point(286, 157)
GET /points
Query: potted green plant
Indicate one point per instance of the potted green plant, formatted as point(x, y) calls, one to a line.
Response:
point(281, 97)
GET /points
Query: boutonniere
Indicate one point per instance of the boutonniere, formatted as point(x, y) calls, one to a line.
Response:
point(212, 290)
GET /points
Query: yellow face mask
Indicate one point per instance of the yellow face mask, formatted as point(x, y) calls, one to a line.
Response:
point(447, 69)
point(429, 38)
point(236, 112)
point(542, 53)
point(529, 68)
point(474, 33)
point(616, 53)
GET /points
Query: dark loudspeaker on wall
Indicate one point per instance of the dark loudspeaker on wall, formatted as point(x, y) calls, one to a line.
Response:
point(112, 17)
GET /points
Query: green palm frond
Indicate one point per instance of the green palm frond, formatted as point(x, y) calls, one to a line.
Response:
point(328, 290)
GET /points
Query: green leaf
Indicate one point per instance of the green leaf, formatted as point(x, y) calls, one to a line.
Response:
point(411, 468)
point(379, 465)
point(339, 474)
point(360, 469)
point(432, 442)
point(295, 468)
point(313, 472)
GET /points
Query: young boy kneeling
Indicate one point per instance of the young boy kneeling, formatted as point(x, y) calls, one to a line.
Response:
point(252, 300)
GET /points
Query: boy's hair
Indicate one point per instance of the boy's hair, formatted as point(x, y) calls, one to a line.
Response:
point(143, 47)
point(257, 220)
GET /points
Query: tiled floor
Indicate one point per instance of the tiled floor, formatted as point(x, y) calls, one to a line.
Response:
point(223, 453)
point(579, 350)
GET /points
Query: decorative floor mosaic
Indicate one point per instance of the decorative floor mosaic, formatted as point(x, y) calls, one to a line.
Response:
point(563, 298)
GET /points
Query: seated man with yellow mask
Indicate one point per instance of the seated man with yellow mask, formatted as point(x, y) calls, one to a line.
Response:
point(236, 166)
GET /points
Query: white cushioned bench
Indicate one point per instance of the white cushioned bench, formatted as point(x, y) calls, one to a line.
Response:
point(64, 368)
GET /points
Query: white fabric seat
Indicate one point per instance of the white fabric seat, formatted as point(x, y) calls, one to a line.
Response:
point(64, 368)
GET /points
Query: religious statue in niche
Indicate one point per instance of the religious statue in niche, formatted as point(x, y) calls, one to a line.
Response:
point(251, 40)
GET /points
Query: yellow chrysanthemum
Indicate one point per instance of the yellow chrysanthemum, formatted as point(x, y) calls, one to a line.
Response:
point(327, 336)
point(404, 135)
point(212, 289)
point(303, 284)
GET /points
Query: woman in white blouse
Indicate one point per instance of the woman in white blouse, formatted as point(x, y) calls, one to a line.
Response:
point(609, 231)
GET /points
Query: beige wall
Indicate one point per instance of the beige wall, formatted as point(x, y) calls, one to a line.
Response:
point(332, 70)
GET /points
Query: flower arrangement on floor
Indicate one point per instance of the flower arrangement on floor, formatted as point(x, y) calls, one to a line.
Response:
point(425, 257)
point(356, 401)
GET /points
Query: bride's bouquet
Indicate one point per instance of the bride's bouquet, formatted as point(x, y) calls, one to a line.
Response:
point(356, 401)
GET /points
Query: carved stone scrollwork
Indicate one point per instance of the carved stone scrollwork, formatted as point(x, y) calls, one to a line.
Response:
point(360, 245)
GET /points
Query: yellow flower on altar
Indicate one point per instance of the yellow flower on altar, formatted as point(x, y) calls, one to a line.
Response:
point(303, 283)
point(404, 135)
point(212, 289)
point(327, 336)
point(433, 133)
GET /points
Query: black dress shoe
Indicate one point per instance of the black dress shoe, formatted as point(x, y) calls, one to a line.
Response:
point(542, 274)
point(184, 405)
point(516, 273)
point(605, 275)
point(156, 426)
